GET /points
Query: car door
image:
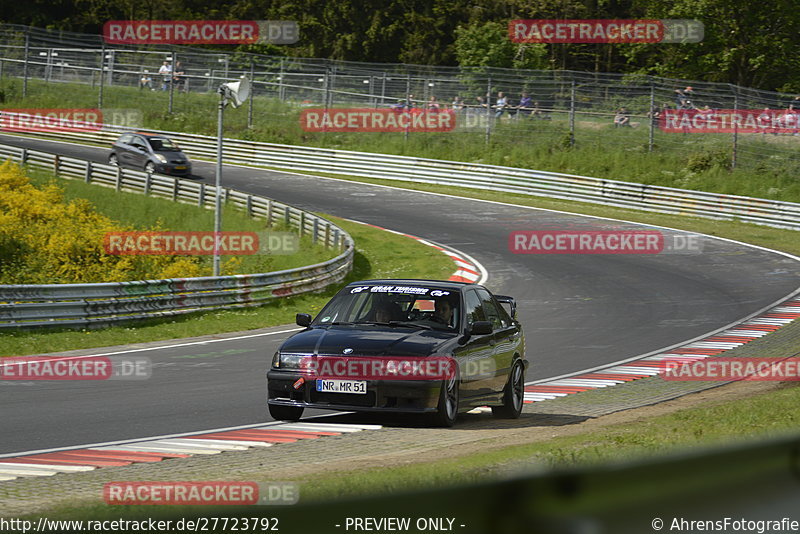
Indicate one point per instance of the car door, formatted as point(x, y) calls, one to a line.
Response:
point(476, 355)
point(505, 337)
point(139, 152)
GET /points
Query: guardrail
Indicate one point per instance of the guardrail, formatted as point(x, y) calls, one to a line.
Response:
point(614, 193)
point(752, 486)
point(87, 305)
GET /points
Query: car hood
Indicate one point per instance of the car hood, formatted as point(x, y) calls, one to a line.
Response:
point(367, 341)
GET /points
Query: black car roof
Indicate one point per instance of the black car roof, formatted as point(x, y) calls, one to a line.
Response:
point(456, 286)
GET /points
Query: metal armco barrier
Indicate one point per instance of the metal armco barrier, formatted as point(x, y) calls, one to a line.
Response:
point(746, 483)
point(614, 193)
point(86, 305)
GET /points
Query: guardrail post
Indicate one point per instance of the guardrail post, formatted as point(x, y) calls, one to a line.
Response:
point(327, 235)
point(302, 222)
point(175, 187)
point(148, 178)
point(87, 177)
point(248, 205)
point(335, 237)
point(201, 196)
point(269, 212)
point(315, 231)
point(23, 157)
point(56, 164)
point(287, 215)
point(118, 185)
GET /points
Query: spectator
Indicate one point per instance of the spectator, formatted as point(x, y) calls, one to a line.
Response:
point(763, 121)
point(525, 106)
point(179, 77)
point(680, 98)
point(458, 104)
point(433, 105)
point(500, 106)
point(480, 103)
point(538, 113)
point(146, 81)
point(166, 73)
point(683, 99)
point(622, 118)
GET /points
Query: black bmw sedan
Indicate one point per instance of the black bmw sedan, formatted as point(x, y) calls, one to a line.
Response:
point(414, 346)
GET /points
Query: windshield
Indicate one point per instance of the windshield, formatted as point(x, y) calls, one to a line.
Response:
point(162, 144)
point(409, 306)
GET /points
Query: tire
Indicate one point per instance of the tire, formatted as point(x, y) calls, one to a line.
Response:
point(113, 160)
point(285, 413)
point(149, 168)
point(513, 393)
point(447, 408)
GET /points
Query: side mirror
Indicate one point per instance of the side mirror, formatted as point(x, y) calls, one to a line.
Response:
point(302, 319)
point(480, 328)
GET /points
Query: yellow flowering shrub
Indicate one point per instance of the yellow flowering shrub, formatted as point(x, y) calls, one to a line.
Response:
point(46, 240)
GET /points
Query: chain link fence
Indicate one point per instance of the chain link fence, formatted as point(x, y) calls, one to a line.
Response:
point(563, 108)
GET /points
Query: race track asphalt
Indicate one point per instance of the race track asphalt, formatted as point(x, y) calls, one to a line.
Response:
point(579, 310)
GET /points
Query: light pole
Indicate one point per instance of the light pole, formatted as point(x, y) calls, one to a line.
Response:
point(234, 93)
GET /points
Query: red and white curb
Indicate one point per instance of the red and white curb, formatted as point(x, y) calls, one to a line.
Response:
point(467, 268)
point(160, 449)
point(713, 345)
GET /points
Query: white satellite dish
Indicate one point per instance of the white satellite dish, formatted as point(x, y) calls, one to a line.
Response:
point(236, 93)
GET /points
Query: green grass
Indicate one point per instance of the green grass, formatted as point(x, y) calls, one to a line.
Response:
point(378, 255)
point(720, 423)
point(768, 166)
point(146, 212)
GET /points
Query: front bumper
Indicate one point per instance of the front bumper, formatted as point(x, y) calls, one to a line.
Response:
point(174, 169)
point(399, 396)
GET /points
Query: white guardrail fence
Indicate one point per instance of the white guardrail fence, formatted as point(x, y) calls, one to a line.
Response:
point(87, 305)
point(476, 176)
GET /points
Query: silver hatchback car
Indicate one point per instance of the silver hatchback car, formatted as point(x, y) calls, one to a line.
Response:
point(153, 153)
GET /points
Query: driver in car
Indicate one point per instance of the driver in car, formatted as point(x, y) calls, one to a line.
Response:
point(443, 312)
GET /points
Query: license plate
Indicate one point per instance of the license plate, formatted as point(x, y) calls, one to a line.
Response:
point(342, 386)
point(180, 167)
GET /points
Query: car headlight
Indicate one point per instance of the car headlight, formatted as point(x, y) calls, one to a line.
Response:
point(161, 158)
point(288, 361)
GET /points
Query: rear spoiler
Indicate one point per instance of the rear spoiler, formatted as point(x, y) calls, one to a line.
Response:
point(510, 302)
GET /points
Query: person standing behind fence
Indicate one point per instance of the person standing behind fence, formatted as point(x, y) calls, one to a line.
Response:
point(500, 106)
point(179, 77)
point(165, 71)
point(525, 105)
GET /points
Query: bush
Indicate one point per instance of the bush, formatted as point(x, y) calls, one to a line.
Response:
point(703, 161)
point(45, 240)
